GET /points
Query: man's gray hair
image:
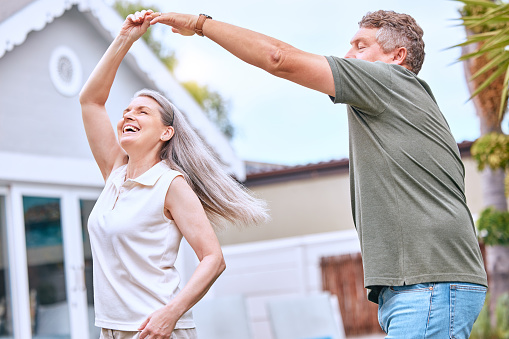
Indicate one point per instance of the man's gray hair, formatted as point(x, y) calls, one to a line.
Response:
point(397, 30)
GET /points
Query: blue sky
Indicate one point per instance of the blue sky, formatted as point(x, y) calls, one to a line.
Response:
point(277, 121)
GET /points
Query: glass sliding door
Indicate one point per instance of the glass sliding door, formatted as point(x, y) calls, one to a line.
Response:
point(49, 309)
point(86, 206)
point(45, 255)
point(6, 328)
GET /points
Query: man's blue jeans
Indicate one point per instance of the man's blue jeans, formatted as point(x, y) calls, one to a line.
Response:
point(430, 310)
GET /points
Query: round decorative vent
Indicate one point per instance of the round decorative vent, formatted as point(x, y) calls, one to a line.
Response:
point(65, 71)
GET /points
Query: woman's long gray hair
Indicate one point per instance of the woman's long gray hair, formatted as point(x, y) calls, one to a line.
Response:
point(222, 197)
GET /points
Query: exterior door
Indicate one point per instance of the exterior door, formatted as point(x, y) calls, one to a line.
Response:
point(47, 242)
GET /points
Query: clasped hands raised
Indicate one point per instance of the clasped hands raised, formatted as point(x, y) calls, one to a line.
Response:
point(136, 24)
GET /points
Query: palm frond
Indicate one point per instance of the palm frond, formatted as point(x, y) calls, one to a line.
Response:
point(475, 38)
point(505, 92)
point(490, 21)
point(493, 18)
point(498, 72)
point(495, 62)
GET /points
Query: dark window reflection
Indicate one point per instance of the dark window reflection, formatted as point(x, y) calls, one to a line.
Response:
point(46, 274)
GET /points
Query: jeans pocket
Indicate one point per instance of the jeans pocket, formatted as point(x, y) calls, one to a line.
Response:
point(467, 301)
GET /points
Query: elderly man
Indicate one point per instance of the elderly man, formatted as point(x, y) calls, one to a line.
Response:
point(422, 262)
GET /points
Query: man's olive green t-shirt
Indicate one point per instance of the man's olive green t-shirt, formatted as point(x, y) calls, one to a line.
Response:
point(406, 180)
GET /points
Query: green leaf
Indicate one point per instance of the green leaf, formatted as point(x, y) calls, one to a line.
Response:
point(475, 54)
point(503, 98)
point(490, 79)
point(502, 58)
point(476, 38)
point(494, 225)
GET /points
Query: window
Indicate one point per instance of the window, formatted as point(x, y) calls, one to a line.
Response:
point(46, 273)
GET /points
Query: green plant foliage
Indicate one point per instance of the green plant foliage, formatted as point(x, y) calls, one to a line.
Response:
point(483, 328)
point(491, 150)
point(502, 316)
point(493, 226)
point(506, 185)
point(489, 20)
point(213, 104)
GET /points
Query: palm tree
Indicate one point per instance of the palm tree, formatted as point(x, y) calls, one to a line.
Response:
point(486, 63)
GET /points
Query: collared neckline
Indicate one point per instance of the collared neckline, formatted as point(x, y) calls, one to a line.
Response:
point(148, 178)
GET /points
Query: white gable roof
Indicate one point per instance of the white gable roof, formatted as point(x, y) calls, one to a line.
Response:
point(36, 15)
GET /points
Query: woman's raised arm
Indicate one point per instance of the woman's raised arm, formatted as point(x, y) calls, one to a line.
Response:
point(101, 137)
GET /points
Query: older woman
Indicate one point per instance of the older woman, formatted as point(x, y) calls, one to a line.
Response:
point(162, 183)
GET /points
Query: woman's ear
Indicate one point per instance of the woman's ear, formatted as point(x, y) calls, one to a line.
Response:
point(168, 133)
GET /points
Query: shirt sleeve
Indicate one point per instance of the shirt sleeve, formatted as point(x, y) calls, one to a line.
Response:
point(365, 85)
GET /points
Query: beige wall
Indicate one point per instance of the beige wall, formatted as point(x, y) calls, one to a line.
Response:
point(318, 205)
point(473, 186)
point(299, 207)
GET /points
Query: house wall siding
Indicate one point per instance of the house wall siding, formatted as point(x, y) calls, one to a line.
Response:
point(31, 107)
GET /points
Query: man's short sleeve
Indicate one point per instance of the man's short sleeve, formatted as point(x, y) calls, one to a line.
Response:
point(365, 85)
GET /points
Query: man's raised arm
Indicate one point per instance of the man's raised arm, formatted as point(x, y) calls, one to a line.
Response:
point(272, 55)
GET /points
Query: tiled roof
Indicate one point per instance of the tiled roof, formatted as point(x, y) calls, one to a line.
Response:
point(278, 173)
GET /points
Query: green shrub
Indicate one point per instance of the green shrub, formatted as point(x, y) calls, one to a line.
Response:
point(482, 328)
point(493, 226)
point(502, 316)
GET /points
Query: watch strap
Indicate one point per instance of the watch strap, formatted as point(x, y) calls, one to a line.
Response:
point(199, 24)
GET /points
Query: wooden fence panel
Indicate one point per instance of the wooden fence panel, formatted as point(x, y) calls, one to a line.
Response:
point(343, 276)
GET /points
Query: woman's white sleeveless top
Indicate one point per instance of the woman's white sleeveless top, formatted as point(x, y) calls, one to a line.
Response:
point(134, 248)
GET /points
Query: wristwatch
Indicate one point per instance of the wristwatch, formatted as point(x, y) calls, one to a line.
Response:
point(199, 24)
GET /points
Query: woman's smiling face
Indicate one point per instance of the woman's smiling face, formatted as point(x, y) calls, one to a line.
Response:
point(141, 126)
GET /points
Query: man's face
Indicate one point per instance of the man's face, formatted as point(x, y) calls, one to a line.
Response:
point(365, 47)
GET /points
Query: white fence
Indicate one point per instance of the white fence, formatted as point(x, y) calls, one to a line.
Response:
point(276, 269)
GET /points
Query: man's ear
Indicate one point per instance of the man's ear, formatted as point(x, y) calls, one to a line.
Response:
point(400, 56)
point(168, 133)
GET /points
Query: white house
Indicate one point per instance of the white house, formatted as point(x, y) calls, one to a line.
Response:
point(48, 178)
